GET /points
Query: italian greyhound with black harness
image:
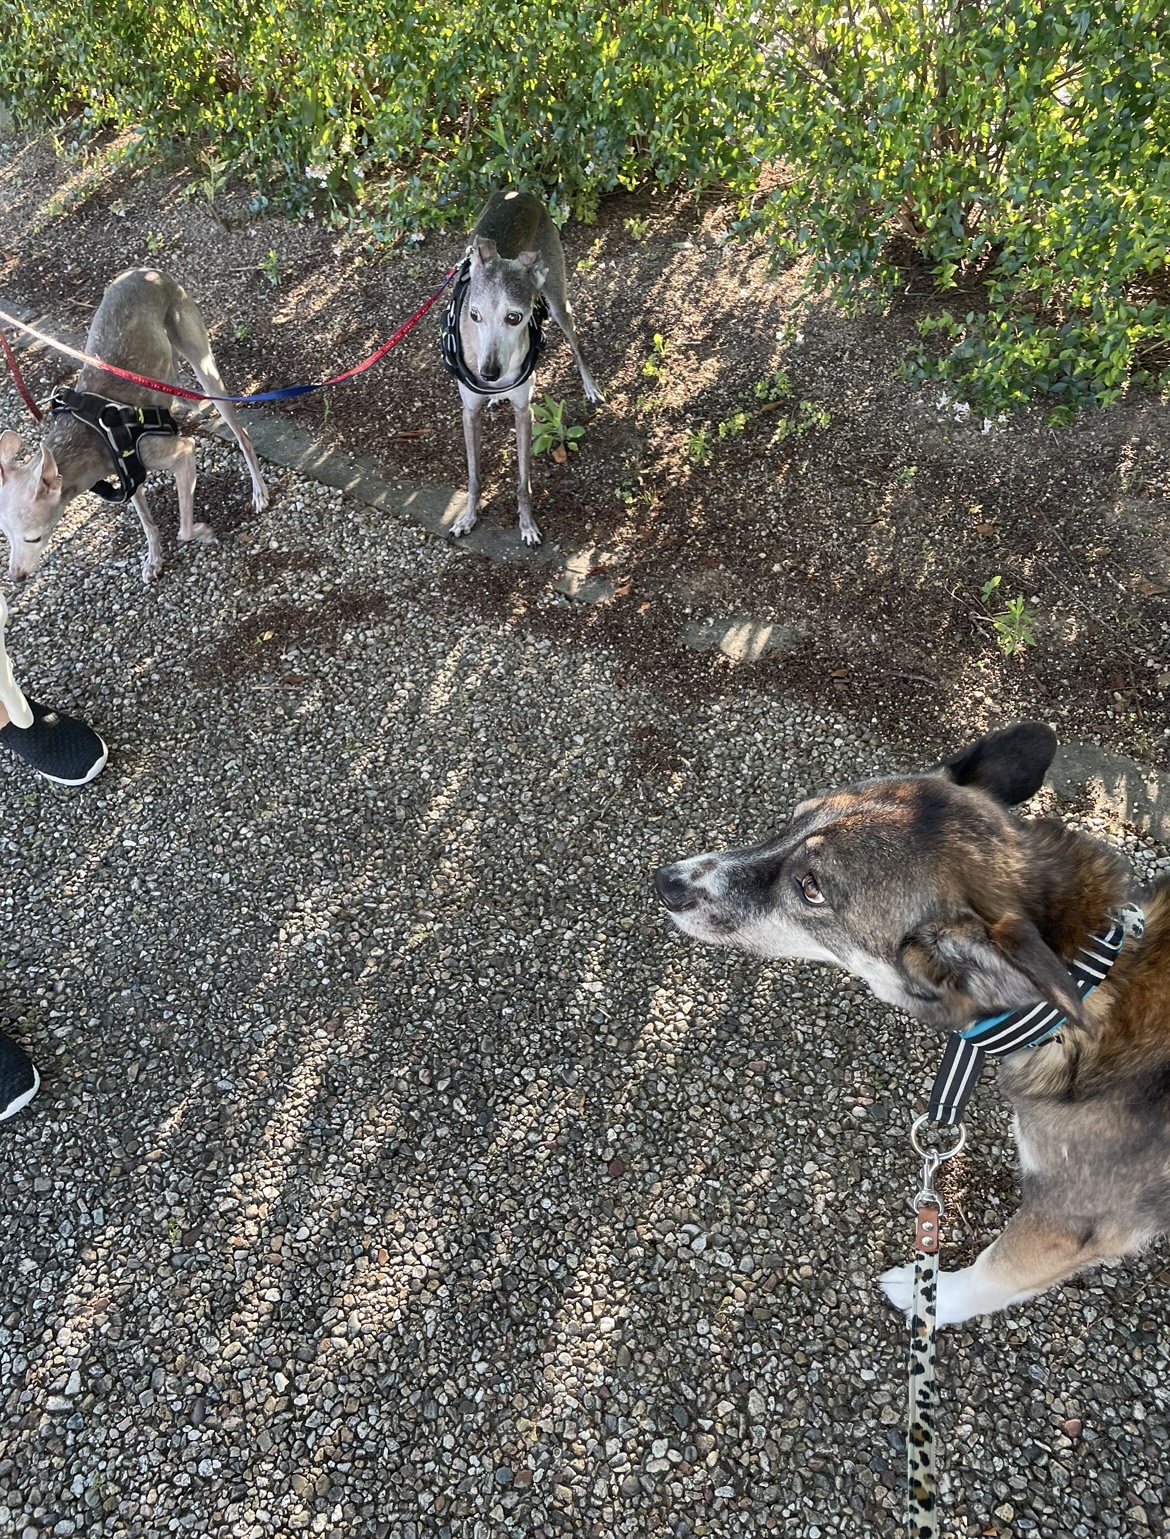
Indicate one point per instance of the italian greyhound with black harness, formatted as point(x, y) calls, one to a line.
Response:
point(145, 323)
point(492, 334)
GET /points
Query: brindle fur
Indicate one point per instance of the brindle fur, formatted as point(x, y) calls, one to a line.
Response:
point(951, 907)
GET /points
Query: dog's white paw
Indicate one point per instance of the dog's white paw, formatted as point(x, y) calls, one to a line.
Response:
point(202, 534)
point(898, 1286)
point(464, 524)
point(152, 568)
point(259, 499)
point(529, 533)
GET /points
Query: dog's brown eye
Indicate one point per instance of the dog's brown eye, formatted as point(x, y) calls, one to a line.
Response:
point(812, 893)
point(513, 317)
point(474, 314)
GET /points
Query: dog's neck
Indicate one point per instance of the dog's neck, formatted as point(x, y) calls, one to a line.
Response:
point(81, 455)
point(1028, 903)
point(1071, 882)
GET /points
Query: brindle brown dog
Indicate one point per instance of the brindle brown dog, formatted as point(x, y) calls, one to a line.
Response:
point(951, 908)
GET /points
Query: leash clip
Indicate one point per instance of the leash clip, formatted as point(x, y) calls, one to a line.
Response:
point(932, 1158)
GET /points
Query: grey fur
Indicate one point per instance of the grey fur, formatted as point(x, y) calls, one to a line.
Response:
point(145, 322)
point(516, 255)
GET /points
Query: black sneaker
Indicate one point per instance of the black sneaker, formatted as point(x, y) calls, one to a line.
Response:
point(19, 1079)
point(57, 746)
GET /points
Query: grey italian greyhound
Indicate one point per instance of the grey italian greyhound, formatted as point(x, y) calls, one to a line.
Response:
point(145, 323)
point(515, 266)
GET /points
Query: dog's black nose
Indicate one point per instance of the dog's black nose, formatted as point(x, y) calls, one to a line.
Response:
point(672, 889)
point(490, 371)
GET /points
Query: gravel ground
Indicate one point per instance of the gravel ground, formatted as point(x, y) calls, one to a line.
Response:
point(397, 1170)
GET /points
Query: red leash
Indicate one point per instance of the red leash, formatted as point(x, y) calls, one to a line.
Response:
point(18, 381)
point(198, 395)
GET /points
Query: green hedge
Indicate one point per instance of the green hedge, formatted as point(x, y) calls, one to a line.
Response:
point(407, 110)
point(1024, 141)
point(1020, 147)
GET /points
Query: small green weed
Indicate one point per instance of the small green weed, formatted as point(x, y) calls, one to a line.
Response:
point(776, 387)
point(214, 178)
point(1012, 624)
point(699, 446)
point(635, 496)
point(210, 184)
point(155, 241)
point(242, 331)
point(589, 260)
point(636, 228)
point(808, 416)
point(270, 267)
point(655, 365)
point(550, 431)
point(734, 425)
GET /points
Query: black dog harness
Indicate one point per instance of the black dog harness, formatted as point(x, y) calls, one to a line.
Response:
point(120, 427)
point(453, 360)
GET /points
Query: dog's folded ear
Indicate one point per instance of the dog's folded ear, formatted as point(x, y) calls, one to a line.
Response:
point(1010, 765)
point(1018, 939)
point(483, 250)
point(531, 259)
point(9, 449)
point(980, 968)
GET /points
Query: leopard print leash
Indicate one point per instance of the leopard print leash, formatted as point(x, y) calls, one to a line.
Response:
point(921, 1470)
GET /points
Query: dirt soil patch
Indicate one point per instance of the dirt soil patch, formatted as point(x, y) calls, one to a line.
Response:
point(757, 461)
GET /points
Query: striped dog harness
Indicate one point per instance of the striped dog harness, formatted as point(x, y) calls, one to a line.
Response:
point(999, 1035)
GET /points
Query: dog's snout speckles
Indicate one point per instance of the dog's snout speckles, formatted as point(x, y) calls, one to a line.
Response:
point(673, 889)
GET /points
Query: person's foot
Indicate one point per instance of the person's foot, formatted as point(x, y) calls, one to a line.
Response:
point(19, 1079)
point(57, 746)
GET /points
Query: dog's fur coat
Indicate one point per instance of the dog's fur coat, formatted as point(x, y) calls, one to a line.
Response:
point(145, 323)
point(951, 908)
point(516, 258)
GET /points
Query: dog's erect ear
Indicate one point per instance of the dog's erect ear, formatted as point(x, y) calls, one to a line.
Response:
point(1009, 765)
point(531, 259)
point(9, 449)
point(977, 966)
point(483, 251)
point(49, 475)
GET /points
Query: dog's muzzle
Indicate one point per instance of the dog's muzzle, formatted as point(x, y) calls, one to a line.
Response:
point(673, 890)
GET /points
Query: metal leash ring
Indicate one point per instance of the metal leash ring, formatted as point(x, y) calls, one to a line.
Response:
point(937, 1156)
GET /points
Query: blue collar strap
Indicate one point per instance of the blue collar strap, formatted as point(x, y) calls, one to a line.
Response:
point(999, 1035)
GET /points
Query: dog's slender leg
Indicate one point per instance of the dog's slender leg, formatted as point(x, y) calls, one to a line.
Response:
point(472, 438)
point(177, 455)
point(189, 339)
point(1029, 1256)
point(562, 312)
point(153, 563)
point(529, 533)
